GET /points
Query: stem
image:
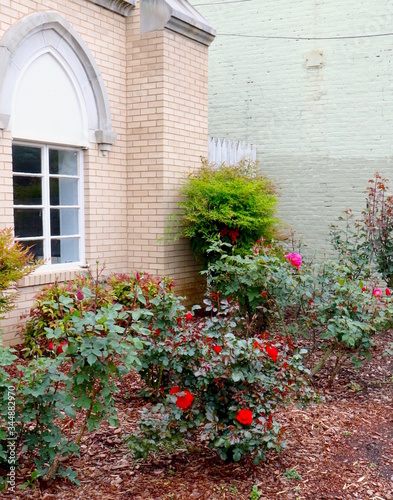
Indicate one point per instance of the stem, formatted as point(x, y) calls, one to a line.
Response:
point(319, 365)
point(339, 364)
point(159, 380)
point(59, 457)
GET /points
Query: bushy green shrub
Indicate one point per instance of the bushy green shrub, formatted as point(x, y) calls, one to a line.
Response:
point(73, 386)
point(325, 301)
point(56, 304)
point(231, 202)
point(221, 387)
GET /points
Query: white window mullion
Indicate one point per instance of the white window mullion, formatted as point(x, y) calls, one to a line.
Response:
point(80, 211)
point(46, 203)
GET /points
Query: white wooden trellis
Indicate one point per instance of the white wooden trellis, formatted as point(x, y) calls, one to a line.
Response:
point(230, 152)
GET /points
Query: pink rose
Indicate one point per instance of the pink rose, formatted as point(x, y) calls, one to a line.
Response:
point(377, 292)
point(295, 259)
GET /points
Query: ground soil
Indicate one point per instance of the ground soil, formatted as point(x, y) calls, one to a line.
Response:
point(340, 449)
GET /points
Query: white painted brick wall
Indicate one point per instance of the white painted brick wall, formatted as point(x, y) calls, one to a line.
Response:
point(320, 132)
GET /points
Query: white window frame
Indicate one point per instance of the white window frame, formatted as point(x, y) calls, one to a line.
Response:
point(46, 207)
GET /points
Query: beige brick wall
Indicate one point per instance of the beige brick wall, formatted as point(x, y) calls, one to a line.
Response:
point(157, 89)
point(167, 131)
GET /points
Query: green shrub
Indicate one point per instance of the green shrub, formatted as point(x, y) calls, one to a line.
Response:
point(15, 262)
point(365, 245)
point(231, 202)
point(339, 312)
point(220, 387)
point(73, 386)
point(56, 304)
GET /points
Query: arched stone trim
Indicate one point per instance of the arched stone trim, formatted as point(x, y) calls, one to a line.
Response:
point(49, 30)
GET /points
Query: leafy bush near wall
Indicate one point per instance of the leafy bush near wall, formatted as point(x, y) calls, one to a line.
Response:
point(220, 386)
point(233, 203)
point(325, 301)
point(15, 262)
point(73, 385)
point(57, 304)
point(365, 244)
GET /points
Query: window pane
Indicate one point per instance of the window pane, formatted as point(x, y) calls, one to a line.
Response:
point(36, 247)
point(64, 221)
point(28, 222)
point(26, 159)
point(63, 162)
point(63, 191)
point(66, 250)
point(27, 190)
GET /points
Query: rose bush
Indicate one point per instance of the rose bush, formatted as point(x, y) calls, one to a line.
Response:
point(324, 301)
point(56, 304)
point(228, 396)
point(76, 378)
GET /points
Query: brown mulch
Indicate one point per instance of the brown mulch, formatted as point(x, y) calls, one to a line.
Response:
point(341, 449)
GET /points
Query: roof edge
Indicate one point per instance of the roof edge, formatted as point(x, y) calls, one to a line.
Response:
point(122, 7)
point(178, 16)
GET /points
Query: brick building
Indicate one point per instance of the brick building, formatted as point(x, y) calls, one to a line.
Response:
point(103, 111)
point(310, 84)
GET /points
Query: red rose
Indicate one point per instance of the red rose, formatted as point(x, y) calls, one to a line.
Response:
point(217, 349)
point(138, 276)
point(364, 288)
point(263, 294)
point(189, 316)
point(257, 345)
point(272, 351)
point(184, 401)
point(59, 349)
point(51, 346)
point(388, 291)
point(79, 295)
point(244, 416)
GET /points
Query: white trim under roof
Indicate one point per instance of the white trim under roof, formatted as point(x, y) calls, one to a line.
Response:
point(122, 7)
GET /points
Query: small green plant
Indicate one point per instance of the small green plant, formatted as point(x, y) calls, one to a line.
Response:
point(292, 474)
point(233, 203)
point(354, 386)
point(233, 490)
point(255, 493)
point(30, 482)
point(372, 465)
point(347, 433)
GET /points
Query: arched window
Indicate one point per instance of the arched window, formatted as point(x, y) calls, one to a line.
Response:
point(53, 100)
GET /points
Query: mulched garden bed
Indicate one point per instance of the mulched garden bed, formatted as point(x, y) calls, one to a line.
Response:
point(340, 449)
